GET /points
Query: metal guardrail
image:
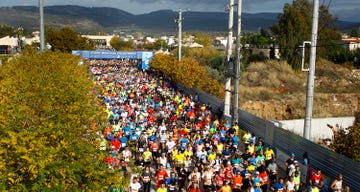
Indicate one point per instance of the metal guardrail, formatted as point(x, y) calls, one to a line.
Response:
point(330, 163)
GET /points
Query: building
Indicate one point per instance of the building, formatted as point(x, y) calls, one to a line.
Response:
point(351, 43)
point(34, 39)
point(8, 44)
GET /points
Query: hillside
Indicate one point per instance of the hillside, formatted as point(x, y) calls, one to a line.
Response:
point(92, 19)
point(28, 18)
point(273, 90)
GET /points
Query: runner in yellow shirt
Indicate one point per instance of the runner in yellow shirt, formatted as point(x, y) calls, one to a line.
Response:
point(162, 188)
point(226, 187)
point(180, 158)
point(211, 156)
point(269, 155)
point(188, 152)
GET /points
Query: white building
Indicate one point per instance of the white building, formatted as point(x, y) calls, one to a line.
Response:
point(11, 41)
point(31, 40)
point(150, 39)
point(351, 44)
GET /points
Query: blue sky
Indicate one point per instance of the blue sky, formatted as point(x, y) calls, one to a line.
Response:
point(345, 9)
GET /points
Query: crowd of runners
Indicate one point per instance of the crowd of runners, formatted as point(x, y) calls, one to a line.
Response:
point(178, 143)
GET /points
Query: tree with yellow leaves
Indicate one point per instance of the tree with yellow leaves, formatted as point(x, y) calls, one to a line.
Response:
point(46, 143)
point(188, 72)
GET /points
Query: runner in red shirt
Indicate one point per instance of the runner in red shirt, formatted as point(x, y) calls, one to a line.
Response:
point(228, 172)
point(264, 180)
point(116, 144)
point(316, 177)
point(161, 176)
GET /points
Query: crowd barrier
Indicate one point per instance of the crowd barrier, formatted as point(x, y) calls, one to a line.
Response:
point(331, 164)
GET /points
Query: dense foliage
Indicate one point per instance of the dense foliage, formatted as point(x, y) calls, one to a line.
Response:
point(346, 141)
point(261, 39)
point(187, 71)
point(47, 137)
point(159, 44)
point(121, 45)
point(66, 40)
point(294, 27)
point(6, 30)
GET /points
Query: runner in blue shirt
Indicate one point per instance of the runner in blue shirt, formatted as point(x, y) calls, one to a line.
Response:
point(123, 140)
point(278, 186)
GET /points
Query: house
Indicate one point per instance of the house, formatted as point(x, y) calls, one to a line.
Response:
point(8, 44)
point(34, 39)
point(351, 43)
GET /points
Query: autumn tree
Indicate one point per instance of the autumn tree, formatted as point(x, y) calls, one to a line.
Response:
point(188, 72)
point(203, 55)
point(294, 27)
point(121, 45)
point(46, 141)
point(203, 39)
point(346, 141)
point(165, 64)
point(66, 40)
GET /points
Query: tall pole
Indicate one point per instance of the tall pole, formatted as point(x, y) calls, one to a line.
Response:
point(227, 101)
point(42, 36)
point(179, 21)
point(237, 64)
point(311, 76)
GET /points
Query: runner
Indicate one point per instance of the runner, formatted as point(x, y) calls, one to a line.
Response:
point(337, 185)
point(157, 127)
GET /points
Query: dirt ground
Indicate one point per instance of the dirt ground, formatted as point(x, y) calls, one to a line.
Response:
point(273, 90)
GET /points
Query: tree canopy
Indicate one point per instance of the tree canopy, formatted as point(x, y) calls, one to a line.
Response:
point(47, 137)
point(67, 39)
point(188, 72)
point(294, 27)
point(204, 39)
point(6, 30)
point(121, 45)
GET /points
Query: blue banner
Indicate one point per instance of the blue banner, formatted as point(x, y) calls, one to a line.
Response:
point(145, 56)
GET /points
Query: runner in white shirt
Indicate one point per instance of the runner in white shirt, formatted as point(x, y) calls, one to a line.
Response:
point(290, 185)
point(126, 154)
point(170, 144)
point(135, 186)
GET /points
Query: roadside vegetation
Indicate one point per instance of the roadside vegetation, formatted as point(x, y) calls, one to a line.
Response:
point(47, 126)
point(47, 140)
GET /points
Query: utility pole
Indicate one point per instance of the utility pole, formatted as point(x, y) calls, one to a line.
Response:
point(42, 36)
point(311, 76)
point(179, 22)
point(237, 65)
point(227, 101)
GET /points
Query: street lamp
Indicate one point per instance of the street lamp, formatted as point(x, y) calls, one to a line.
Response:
point(235, 115)
point(311, 75)
point(227, 102)
point(42, 36)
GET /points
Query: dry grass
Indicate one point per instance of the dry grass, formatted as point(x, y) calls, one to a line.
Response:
point(274, 75)
point(277, 88)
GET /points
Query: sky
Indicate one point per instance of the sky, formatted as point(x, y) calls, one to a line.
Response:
point(345, 9)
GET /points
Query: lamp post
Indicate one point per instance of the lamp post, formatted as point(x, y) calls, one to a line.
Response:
point(42, 36)
point(311, 76)
point(179, 22)
point(227, 101)
point(237, 65)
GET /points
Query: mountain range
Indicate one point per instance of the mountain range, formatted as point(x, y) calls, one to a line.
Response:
point(95, 19)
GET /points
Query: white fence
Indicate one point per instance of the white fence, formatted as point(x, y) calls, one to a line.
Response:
point(319, 129)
